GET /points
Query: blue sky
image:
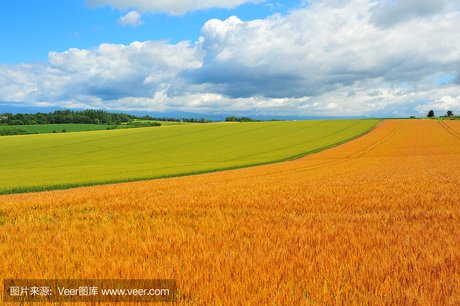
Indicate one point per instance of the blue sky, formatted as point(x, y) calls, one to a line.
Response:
point(30, 29)
point(242, 57)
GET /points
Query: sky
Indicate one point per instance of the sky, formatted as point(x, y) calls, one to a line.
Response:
point(365, 58)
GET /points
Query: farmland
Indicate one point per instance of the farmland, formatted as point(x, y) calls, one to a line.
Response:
point(371, 222)
point(58, 128)
point(51, 161)
point(80, 127)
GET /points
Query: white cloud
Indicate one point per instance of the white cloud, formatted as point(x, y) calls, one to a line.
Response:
point(442, 104)
point(133, 18)
point(329, 58)
point(389, 12)
point(114, 71)
point(316, 49)
point(30, 83)
point(177, 7)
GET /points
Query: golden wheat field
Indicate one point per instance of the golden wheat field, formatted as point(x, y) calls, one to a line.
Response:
point(374, 221)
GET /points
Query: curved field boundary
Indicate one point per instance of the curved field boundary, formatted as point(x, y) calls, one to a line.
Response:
point(45, 187)
point(330, 162)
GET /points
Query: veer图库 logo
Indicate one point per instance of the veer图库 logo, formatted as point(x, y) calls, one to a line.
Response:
point(89, 290)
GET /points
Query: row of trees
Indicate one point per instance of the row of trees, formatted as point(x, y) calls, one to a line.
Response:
point(239, 119)
point(66, 116)
point(194, 120)
point(448, 114)
point(87, 116)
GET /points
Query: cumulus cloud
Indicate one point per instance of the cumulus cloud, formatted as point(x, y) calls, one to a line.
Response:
point(108, 72)
point(329, 58)
point(133, 18)
point(177, 7)
point(389, 12)
point(317, 49)
point(113, 71)
point(31, 83)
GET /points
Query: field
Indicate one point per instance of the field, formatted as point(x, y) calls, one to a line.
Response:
point(51, 161)
point(50, 128)
point(374, 221)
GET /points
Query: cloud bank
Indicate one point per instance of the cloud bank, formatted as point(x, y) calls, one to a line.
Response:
point(330, 58)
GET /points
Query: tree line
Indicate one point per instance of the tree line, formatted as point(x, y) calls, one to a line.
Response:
point(88, 116)
point(239, 119)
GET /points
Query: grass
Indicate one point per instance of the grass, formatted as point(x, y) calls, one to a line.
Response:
point(371, 222)
point(53, 161)
point(50, 128)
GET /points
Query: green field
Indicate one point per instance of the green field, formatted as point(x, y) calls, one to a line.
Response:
point(50, 128)
point(77, 127)
point(51, 161)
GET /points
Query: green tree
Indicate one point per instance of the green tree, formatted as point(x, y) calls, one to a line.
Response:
point(430, 114)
